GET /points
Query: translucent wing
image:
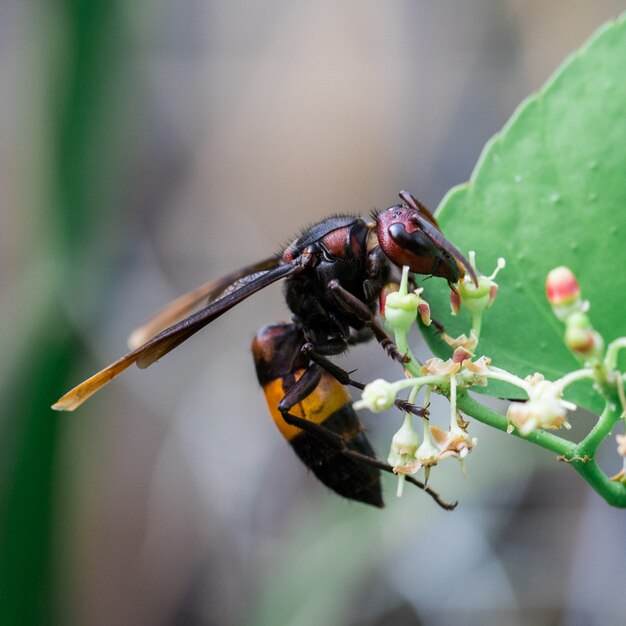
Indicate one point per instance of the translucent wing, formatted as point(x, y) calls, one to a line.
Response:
point(185, 304)
point(173, 336)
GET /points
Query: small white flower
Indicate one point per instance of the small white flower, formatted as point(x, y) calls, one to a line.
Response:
point(462, 341)
point(476, 298)
point(403, 447)
point(544, 408)
point(428, 453)
point(437, 367)
point(454, 443)
point(378, 396)
point(406, 440)
point(476, 371)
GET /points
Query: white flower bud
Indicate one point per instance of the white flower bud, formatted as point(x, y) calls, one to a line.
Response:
point(378, 396)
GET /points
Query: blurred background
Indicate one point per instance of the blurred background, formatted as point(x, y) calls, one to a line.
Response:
point(149, 146)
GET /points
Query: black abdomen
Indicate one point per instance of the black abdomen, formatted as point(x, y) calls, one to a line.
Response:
point(276, 350)
point(345, 476)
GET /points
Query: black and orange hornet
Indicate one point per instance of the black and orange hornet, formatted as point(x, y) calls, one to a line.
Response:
point(335, 273)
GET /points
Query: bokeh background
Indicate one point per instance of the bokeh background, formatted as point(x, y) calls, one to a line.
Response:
point(148, 146)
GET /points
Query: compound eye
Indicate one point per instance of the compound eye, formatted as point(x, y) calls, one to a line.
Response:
point(415, 242)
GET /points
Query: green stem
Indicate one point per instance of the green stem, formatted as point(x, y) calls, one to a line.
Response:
point(572, 377)
point(402, 342)
point(590, 444)
point(413, 393)
point(610, 360)
point(418, 382)
point(499, 374)
point(477, 322)
point(613, 492)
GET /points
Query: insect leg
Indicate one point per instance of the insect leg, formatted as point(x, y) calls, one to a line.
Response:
point(323, 427)
point(374, 462)
point(363, 335)
point(376, 274)
point(353, 305)
point(332, 346)
point(337, 443)
point(300, 390)
point(333, 440)
point(344, 378)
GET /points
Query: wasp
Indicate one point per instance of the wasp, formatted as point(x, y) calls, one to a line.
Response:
point(335, 273)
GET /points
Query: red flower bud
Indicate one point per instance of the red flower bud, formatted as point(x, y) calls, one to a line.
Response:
point(562, 287)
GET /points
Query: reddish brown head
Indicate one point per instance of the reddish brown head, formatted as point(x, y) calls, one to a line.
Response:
point(409, 235)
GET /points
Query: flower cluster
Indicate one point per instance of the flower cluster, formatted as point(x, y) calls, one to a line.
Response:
point(564, 296)
point(544, 408)
point(407, 457)
point(407, 454)
point(400, 310)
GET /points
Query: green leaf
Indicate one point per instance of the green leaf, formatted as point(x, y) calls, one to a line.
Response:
point(549, 190)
